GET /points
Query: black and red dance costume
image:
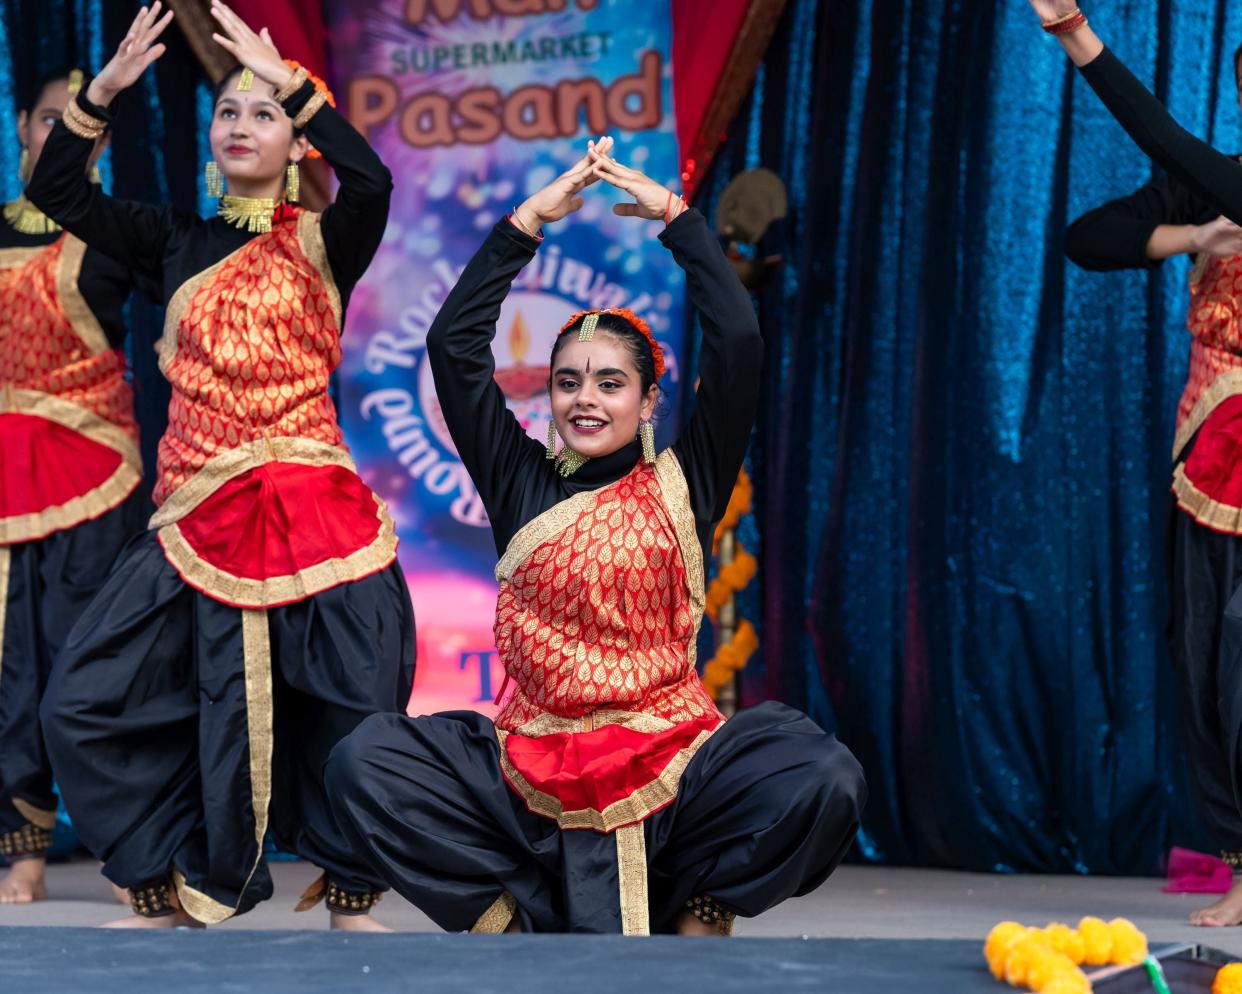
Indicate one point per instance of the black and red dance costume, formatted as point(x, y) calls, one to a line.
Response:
point(609, 795)
point(263, 614)
point(1205, 527)
point(69, 475)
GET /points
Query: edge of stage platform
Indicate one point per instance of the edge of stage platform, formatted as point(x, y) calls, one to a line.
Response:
point(1189, 968)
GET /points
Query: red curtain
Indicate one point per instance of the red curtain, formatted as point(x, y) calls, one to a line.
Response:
point(703, 35)
point(297, 28)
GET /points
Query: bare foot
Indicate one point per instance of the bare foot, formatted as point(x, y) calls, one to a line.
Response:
point(178, 919)
point(355, 923)
point(120, 893)
point(24, 882)
point(690, 925)
point(1226, 911)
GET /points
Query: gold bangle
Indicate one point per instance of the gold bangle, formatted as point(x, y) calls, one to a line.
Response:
point(295, 83)
point(1061, 20)
point(81, 123)
point(309, 111)
point(522, 224)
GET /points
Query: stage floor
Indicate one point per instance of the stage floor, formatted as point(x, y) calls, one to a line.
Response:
point(857, 902)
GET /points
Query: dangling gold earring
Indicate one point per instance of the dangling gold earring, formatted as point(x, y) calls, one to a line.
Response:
point(215, 180)
point(552, 436)
point(23, 166)
point(96, 176)
point(646, 435)
point(293, 182)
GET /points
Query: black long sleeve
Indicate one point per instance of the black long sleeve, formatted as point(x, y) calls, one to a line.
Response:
point(1115, 235)
point(134, 234)
point(1214, 177)
point(712, 446)
point(353, 224)
point(515, 481)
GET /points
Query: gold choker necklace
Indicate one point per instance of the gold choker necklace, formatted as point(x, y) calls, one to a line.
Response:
point(568, 462)
point(252, 213)
point(25, 217)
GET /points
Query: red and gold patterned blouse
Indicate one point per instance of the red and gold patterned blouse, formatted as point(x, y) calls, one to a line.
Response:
point(259, 501)
point(1208, 483)
point(70, 443)
point(600, 604)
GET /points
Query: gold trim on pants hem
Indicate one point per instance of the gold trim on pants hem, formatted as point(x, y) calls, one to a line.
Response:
point(632, 879)
point(257, 650)
point(497, 917)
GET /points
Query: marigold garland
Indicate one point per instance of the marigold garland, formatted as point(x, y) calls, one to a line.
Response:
point(1049, 960)
point(1228, 979)
point(731, 579)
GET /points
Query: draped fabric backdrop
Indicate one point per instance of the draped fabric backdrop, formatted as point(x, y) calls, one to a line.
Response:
point(962, 460)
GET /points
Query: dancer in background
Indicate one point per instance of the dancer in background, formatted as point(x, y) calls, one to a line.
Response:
point(1206, 547)
point(69, 470)
point(609, 795)
point(263, 615)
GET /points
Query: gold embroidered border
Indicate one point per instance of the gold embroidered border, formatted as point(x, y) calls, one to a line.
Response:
point(231, 463)
point(257, 652)
point(642, 803)
point(496, 918)
point(1211, 513)
point(1220, 389)
point(543, 528)
point(632, 880)
point(6, 567)
point(95, 502)
point(554, 724)
point(676, 495)
point(81, 318)
point(38, 817)
point(310, 237)
point(247, 593)
point(82, 124)
point(12, 258)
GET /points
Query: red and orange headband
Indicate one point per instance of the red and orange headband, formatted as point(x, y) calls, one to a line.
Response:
point(590, 319)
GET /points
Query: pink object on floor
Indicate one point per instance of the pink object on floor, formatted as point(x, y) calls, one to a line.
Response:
point(1193, 872)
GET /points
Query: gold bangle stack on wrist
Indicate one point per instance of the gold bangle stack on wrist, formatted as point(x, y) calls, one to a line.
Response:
point(1072, 21)
point(81, 123)
point(300, 76)
point(310, 110)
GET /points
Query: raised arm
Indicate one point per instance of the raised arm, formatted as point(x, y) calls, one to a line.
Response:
point(712, 446)
point(493, 446)
point(1215, 177)
point(354, 223)
point(133, 234)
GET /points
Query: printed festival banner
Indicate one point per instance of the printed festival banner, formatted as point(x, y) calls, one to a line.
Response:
point(473, 104)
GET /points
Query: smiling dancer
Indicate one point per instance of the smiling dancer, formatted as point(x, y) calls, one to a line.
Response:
point(263, 615)
point(609, 795)
point(69, 476)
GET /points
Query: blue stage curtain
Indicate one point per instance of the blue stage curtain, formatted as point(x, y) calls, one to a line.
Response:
point(962, 462)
